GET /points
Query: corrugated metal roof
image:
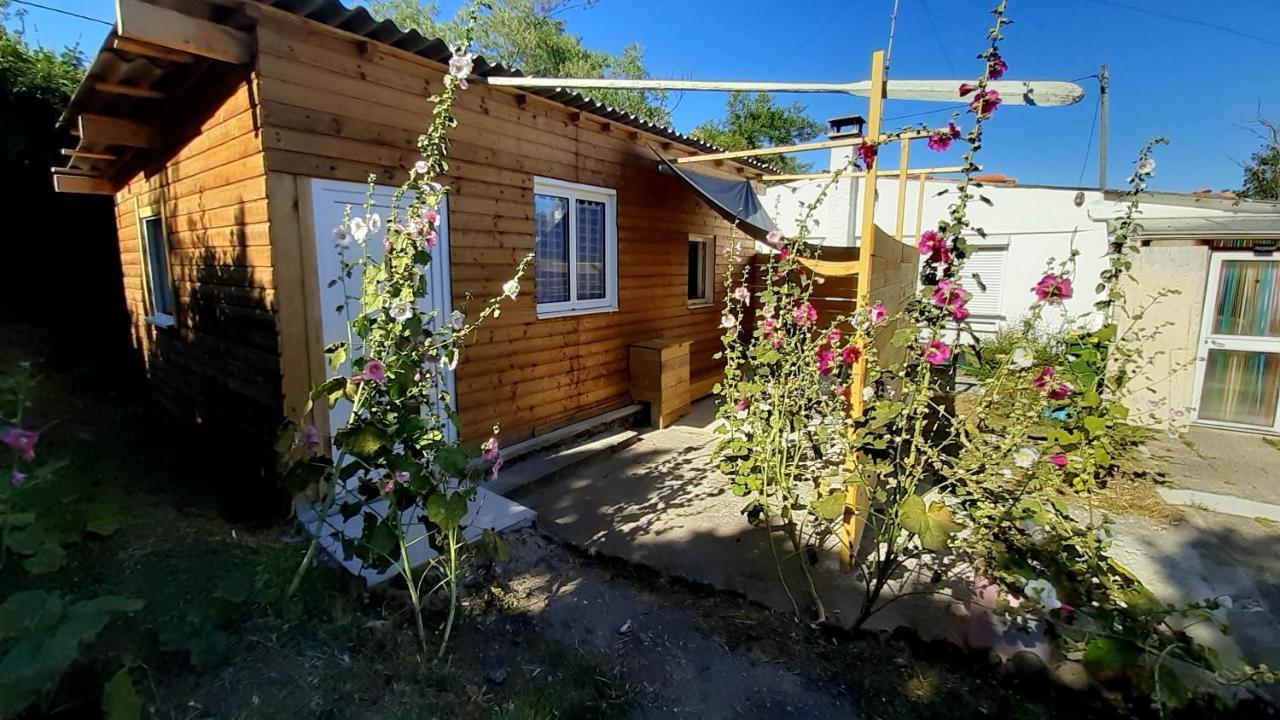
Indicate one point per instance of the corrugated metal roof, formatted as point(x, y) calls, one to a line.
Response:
point(358, 21)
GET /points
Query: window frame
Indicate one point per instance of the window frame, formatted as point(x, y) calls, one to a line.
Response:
point(591, 193)
point(154, 316)
point(708, 243)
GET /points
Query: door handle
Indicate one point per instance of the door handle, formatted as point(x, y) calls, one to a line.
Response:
point(1217, 343)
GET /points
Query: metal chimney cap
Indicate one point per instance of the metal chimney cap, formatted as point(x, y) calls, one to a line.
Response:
point(846, 126)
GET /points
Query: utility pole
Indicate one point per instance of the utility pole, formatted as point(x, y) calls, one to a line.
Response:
point(1104, 83)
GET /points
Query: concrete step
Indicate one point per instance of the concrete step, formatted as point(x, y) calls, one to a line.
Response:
point(535, 466)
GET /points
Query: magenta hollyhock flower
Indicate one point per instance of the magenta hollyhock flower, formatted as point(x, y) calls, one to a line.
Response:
point(825, 356)
point(375, 371)
point(834, 336)
point(23, 441)
point(966, 89)
point(879, 313)
point(867, 154)
point(996, 66)
point(805, 314)
point(16, 478)
point(489, 450)
point(1053, 288)
point(941, 140)
point(936, 352)
point(784, 254)
point(951, 296)
point(768, 327)
point(1048, 383)
point(741, 405)
point(934, 247)
point(850, 354)
point(1058, 459)
point(985, 103)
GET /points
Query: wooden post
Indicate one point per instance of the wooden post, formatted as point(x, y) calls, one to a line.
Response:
point(1104, 85)
point(856, 498)
point(904, 154)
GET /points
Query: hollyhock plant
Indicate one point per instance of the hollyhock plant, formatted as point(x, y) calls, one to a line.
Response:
point(742, 294)
point(1053, 288)
point(1053, 387)
point(950, 296)
point(996, 66)
point(1058, 459)
point(850, 354)
point(867, 154)
point(460, 66)
point(22, 441)
point(941, 140)
point(728, 321)
point(879, 313)
point(805, 314)
point(985, 103)
point(825, 356)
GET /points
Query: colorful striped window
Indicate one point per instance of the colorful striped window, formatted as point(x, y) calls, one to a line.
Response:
point(1248, 299)
point(1241, 387)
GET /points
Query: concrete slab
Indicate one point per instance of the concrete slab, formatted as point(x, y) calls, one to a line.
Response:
point(545, 463)
point(1221, 504)
point(1223, 462)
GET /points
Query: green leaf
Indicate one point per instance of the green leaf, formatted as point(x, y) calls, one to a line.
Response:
point(1108, 658)
point(941, 527)
point(447, 511)
point(829, 507)
point(1119, 411)
point(1094, 425)
point(27, 610)
point(362, 441)
point(913, 516)
point(120, 700)
point(337, 354)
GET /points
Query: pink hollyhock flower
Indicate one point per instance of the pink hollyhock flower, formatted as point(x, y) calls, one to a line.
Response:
point(778, 341)
point(309, 436)
point(805, 314)
point(742, 294)
point(996, 66)
point(867, 154)
point(851, 354)
point(741, 405)
point(768, 327)
point(375, 371)
point(728, 322)
point(784, 254)
point(933, 246)
point(774, 237)
point(16, 478)
point(949, 295)
point(879, 313)
point(429, 216)
point(1058, 459)
point(936, 352)
point(985, 103)
point(23, 441)
point(1053, 288)
point(940, 141)
point(430, 239)
point(842, 391)
point(834, 336)
point(1048, 383)
point(825, 356)
point(966, 88)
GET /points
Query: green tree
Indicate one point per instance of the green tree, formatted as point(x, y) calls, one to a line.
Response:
point(1262, 172)
point(755, 121)
point(527, 35)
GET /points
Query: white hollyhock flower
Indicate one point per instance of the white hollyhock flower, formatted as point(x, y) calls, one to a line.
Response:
point(421, 167)
point(375, 223)
point(1025, 457)
point(728, 322)
point(1146, 166)
point(1043, 592)
point(868, 393)
point(1022, 358)
point(401, 310)
point(511, 288)
point(457, 320)
point(341, 238)
point(460, 66)
point(359, 230)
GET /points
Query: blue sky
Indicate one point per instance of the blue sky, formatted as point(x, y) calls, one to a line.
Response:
point(1191, 83)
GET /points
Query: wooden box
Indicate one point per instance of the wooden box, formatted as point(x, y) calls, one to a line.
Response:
point(660, 377)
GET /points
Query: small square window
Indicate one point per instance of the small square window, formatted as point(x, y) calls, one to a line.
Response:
point(159, 282)
point(702, 270)
point(575, 248)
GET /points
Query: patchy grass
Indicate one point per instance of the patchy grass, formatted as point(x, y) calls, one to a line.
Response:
point(1136, 495)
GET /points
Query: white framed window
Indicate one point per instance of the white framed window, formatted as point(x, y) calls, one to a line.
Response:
point(155, 256)
point(575, 239)
point(702, 270)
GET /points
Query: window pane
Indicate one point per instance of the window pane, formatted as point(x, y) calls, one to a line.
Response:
point(551, 248)
point(590, 248)
point(1241, 387)
point(697, 270)
point(1248, 299)
point(158, 262)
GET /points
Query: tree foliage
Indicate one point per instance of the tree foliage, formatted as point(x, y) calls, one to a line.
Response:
point(35, 85)
point(528, 35)
point(755, 121)
point(1262, 172)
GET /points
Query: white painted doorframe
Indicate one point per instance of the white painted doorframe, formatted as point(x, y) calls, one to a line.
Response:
point(1209, 340)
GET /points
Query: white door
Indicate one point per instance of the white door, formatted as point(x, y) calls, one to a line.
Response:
point(1238, 363)
point(330, 200)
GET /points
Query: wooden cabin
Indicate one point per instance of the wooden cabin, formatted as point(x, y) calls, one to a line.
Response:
point(231, 133)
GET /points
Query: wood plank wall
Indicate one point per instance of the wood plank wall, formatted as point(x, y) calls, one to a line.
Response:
point(336, 107)
point(218, 366)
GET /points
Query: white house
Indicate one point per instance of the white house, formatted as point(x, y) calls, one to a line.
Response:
point(1218, 368)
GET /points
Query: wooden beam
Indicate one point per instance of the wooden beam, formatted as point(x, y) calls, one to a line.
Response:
point(103, 130)
point(803, 147)
point(81, 185)
point(606, 127)
point(85, 172)
point(828, 175)
point(522, 100)
point(138, 20)
point(131, 90)
point(575, 117)
point(138, 47)
point(87, 154)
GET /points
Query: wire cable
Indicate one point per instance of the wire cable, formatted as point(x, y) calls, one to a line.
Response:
point(1088, 147)
point(1189, 21)
point(937, 37)
point(63, 12)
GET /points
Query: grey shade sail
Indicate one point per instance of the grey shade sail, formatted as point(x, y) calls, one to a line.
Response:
point(735, 200)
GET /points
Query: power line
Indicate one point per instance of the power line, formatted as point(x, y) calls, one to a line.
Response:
point(937, 36)
point(926, 112)
point(1189, 21)
point(63, 12)
point(1088, 147)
